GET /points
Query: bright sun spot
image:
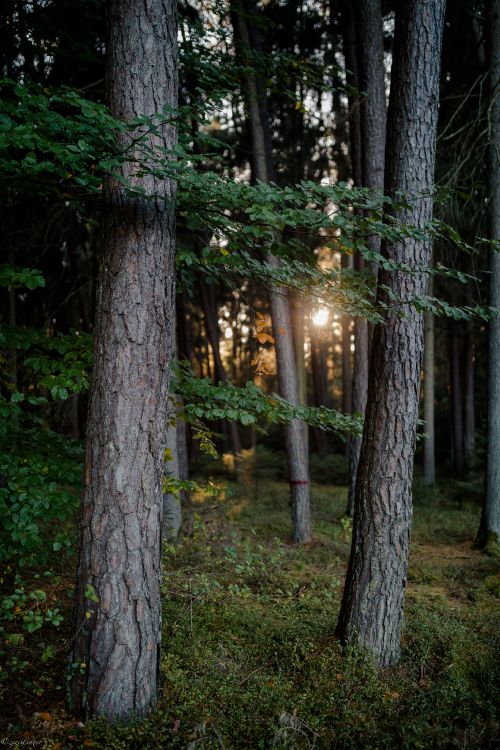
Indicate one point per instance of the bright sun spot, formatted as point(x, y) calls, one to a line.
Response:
point(228, 333)
point(321, 316)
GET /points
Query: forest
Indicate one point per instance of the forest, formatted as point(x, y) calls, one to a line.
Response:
point(250, 374)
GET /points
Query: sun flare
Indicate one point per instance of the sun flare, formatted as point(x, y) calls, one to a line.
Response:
point(320, 317)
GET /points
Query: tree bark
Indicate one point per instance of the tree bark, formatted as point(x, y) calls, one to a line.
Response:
point(469, 352)
point(372, 605)
point(430, 442)
point(371, 84)
point(320, 387)
point(457, 422)
point(295, 434)
point(489, 532)
point(117, 625)
point(212, 328)
point(346, 362)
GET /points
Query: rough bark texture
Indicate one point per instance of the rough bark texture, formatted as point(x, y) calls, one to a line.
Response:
point(489, 533)
point(371, 84)
point(116, 639)
point(372, 605)
point(430, 442)
point(295, 434)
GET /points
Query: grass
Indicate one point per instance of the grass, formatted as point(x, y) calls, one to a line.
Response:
point(250, 659)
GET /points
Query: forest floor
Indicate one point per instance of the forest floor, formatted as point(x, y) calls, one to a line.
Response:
point(250, 659)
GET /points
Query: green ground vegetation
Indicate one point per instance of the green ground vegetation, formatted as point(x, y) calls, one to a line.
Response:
point(249, 657)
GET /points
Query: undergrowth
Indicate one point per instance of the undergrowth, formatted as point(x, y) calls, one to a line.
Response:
point(250, 659)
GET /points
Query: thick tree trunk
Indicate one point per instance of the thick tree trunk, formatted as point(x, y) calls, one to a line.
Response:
point(295, 434)
point(117, 624)
point(489, 532)
point(430, 442)
point(371, 83)
point(372, 605)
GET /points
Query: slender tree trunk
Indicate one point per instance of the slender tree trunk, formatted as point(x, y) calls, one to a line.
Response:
point(360, 375)
point(295, 434)
point(489, 532)
point(429, 444)
point(469, 352)
point(349, 38)
point(371, 83)
point(457, 422)
point(346, 363)
point(371, 72)
point(320, 388)
point(212, 327)
point(172, 509)
point(114, 663)
point(372, 605)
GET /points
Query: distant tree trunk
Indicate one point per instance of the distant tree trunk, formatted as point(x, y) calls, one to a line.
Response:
point(172, 508)
point(488, 537)
point(372, 605)
point(352, 79)
point(117, 625)
point(176, 462)
point(320, 388)
point(371, 72)
point(346, 362)
point(429, 443)
point(298, 341)
point(295, 434)
point(469, 406)
point(456, 401)
point(212, 327)
point(371, 83)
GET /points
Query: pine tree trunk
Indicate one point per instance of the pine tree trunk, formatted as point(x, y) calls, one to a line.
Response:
point(212, 328)
point(469, 400)
point(489, 532)
point(295, 434)
point(429, 444)
point(371, 82)
point(346, 363)
point(320, 387)
point(117, 625)
point(372, 605)
point(457, 422)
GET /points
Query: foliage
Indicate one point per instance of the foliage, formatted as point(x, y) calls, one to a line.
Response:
point(203, 400)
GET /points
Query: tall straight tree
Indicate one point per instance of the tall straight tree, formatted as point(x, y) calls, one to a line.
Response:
point(430, 442)
point(489, 532)
point(372, 605)
point(369, 49)
point(117, 621)
point(295, 434)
